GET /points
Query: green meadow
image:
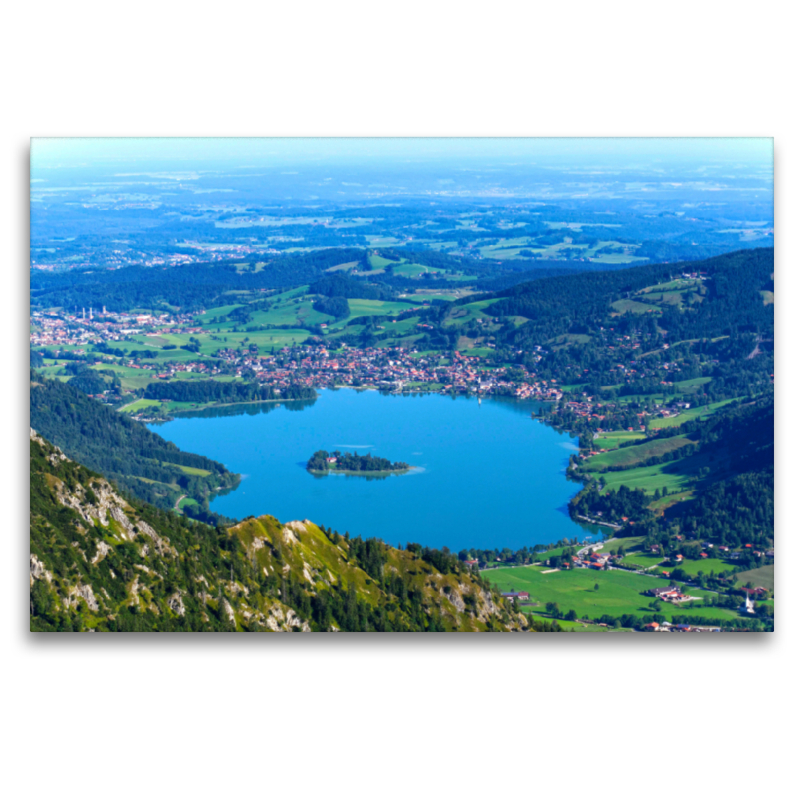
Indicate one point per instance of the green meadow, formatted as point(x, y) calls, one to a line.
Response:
point(633, 306)
point(613, 439)
point(619, 592)
point(762, 576)
point(635, 454)
point(702, 412)
point(649, 478)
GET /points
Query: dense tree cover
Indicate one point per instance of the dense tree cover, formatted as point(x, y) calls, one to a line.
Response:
point(554, 304)
point(211, 391)
point(187, 287)
point(124, 450)
point(740, 438)
point(335, 306)
point(198, 574)
point(343, 287)
point(543, 269)
point(91, 381)
point(614, 506)
point(353, 462)
point(733, 512)
point(524, 555)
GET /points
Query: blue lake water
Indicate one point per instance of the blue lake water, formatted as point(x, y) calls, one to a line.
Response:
point(487, 474)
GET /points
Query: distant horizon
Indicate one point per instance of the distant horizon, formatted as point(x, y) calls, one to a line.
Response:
point(638, 152)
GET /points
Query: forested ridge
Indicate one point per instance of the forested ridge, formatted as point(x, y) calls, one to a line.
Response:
point(124, 450)
point(188, 287)
point(554, 305)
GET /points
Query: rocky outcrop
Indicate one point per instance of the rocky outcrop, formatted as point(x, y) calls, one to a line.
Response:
point(102, 551)
point(290, 529)
point(38, 571)
point(82, 591)
point(279, 618)
point(175, 603)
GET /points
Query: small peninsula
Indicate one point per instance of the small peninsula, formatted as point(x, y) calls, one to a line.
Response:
point(323, 462)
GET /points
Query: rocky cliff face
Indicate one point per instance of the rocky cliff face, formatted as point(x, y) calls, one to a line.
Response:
point(102, 562)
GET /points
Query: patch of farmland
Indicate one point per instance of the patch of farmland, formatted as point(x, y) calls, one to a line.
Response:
point(692, 413)
point(366, 308)
point(761, 576)
point(351, 264)
point(613, 439)
point(671, 476)
point(637, 453)
point(633, 306)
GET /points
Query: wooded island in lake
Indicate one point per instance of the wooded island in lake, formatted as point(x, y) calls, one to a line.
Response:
point(323, 461)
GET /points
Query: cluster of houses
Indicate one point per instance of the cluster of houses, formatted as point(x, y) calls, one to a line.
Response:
point(668, 627)
point(98, 326)
point(394, 369)
point(594, 560)
point(517, 596)
point(671, 594)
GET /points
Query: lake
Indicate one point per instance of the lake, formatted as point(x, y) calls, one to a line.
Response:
point(486, 474)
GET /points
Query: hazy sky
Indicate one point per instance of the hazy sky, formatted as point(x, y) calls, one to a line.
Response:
point(756, 152)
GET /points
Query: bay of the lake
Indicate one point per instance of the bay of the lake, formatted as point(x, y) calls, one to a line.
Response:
point(486, 474)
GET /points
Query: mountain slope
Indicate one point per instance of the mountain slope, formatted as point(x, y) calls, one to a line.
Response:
point(139, 460)
point(105, 563)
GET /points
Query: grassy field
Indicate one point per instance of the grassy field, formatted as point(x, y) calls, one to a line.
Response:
point(650, 478)
point(619, 593)
point(422, 296)
point(628, 542)
point(642, 560)
point(130, 378)
point(295, 311)
point(705, 565)
point(218, 311)
point(670, 286)
point(376, 262)
point(409, 270)
point(461, 315)
point(692, 384)
point(188, 470)
point(615, 258)
point(692, 413)
point(635, 454)
point(613, 439)
point(366, 308)
point(633, 306)
point(762, 576)
point(567, 339)
point(140, 405)
point(665, 502)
